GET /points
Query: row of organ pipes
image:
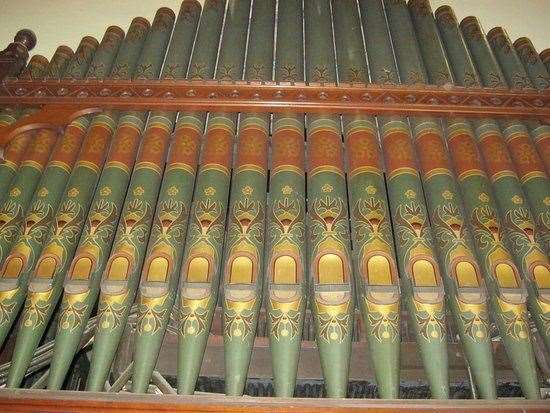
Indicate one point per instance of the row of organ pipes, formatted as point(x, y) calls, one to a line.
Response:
point(176, 213)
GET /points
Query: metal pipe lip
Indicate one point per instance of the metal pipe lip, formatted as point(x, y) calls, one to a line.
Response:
point(445, 9)
point(64, 50)
point(497, 32)
point(115, 30)
point(190, 3)
point(523, 42)
point(166, 10)
point(469, 21)
point(141, 21)
point(39, 60)
point(89, 41)
point(545, 55)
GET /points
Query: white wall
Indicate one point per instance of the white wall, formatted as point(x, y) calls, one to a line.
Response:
point(58, 22)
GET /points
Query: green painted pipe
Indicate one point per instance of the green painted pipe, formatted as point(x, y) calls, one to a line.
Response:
point(54, 261)
point(375, 266)
point(285, 244)
point(159, 277)
point(421, 282)
point(245, 238)
point(507, 291)
point(329, 246)
point(202, 257)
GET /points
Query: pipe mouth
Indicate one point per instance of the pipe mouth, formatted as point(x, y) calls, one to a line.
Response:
point(116, 31)
point(89, 41)
point(141, 21)
point(497, 32)
point(524, 42)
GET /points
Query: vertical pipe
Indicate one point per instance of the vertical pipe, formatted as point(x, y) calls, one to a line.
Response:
point(374, 260)
point(329, 257)
point(244, 246)
point(159, 277)
point(45, 283)
point(285, 253)
point(421, 281)
point(202, 263)
point(507, 292)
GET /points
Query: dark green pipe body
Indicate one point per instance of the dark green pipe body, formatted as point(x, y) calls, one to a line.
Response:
point(120, 278)
point(245, 238)
point(507, 298)
point(522, 233)
point(160, 274)
point(286, 297)
point(421, 282)
point(329, 247)
point(465, 292)
point(202, 257)
point(46, 283)
point(375, 266)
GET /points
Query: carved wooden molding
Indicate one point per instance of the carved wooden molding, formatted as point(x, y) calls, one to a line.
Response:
point(86, 402)
point(71, 98)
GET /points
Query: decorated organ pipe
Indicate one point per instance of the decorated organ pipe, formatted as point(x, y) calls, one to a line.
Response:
point(420, 274)
point(244, 247)
point(202, 268)
point(285, 259)
point(160, 272)
point(329, 249)
point(376, 278)
point(476, 177)
point(277, 197)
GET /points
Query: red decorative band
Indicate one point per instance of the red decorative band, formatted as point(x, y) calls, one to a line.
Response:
point(325, 149)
